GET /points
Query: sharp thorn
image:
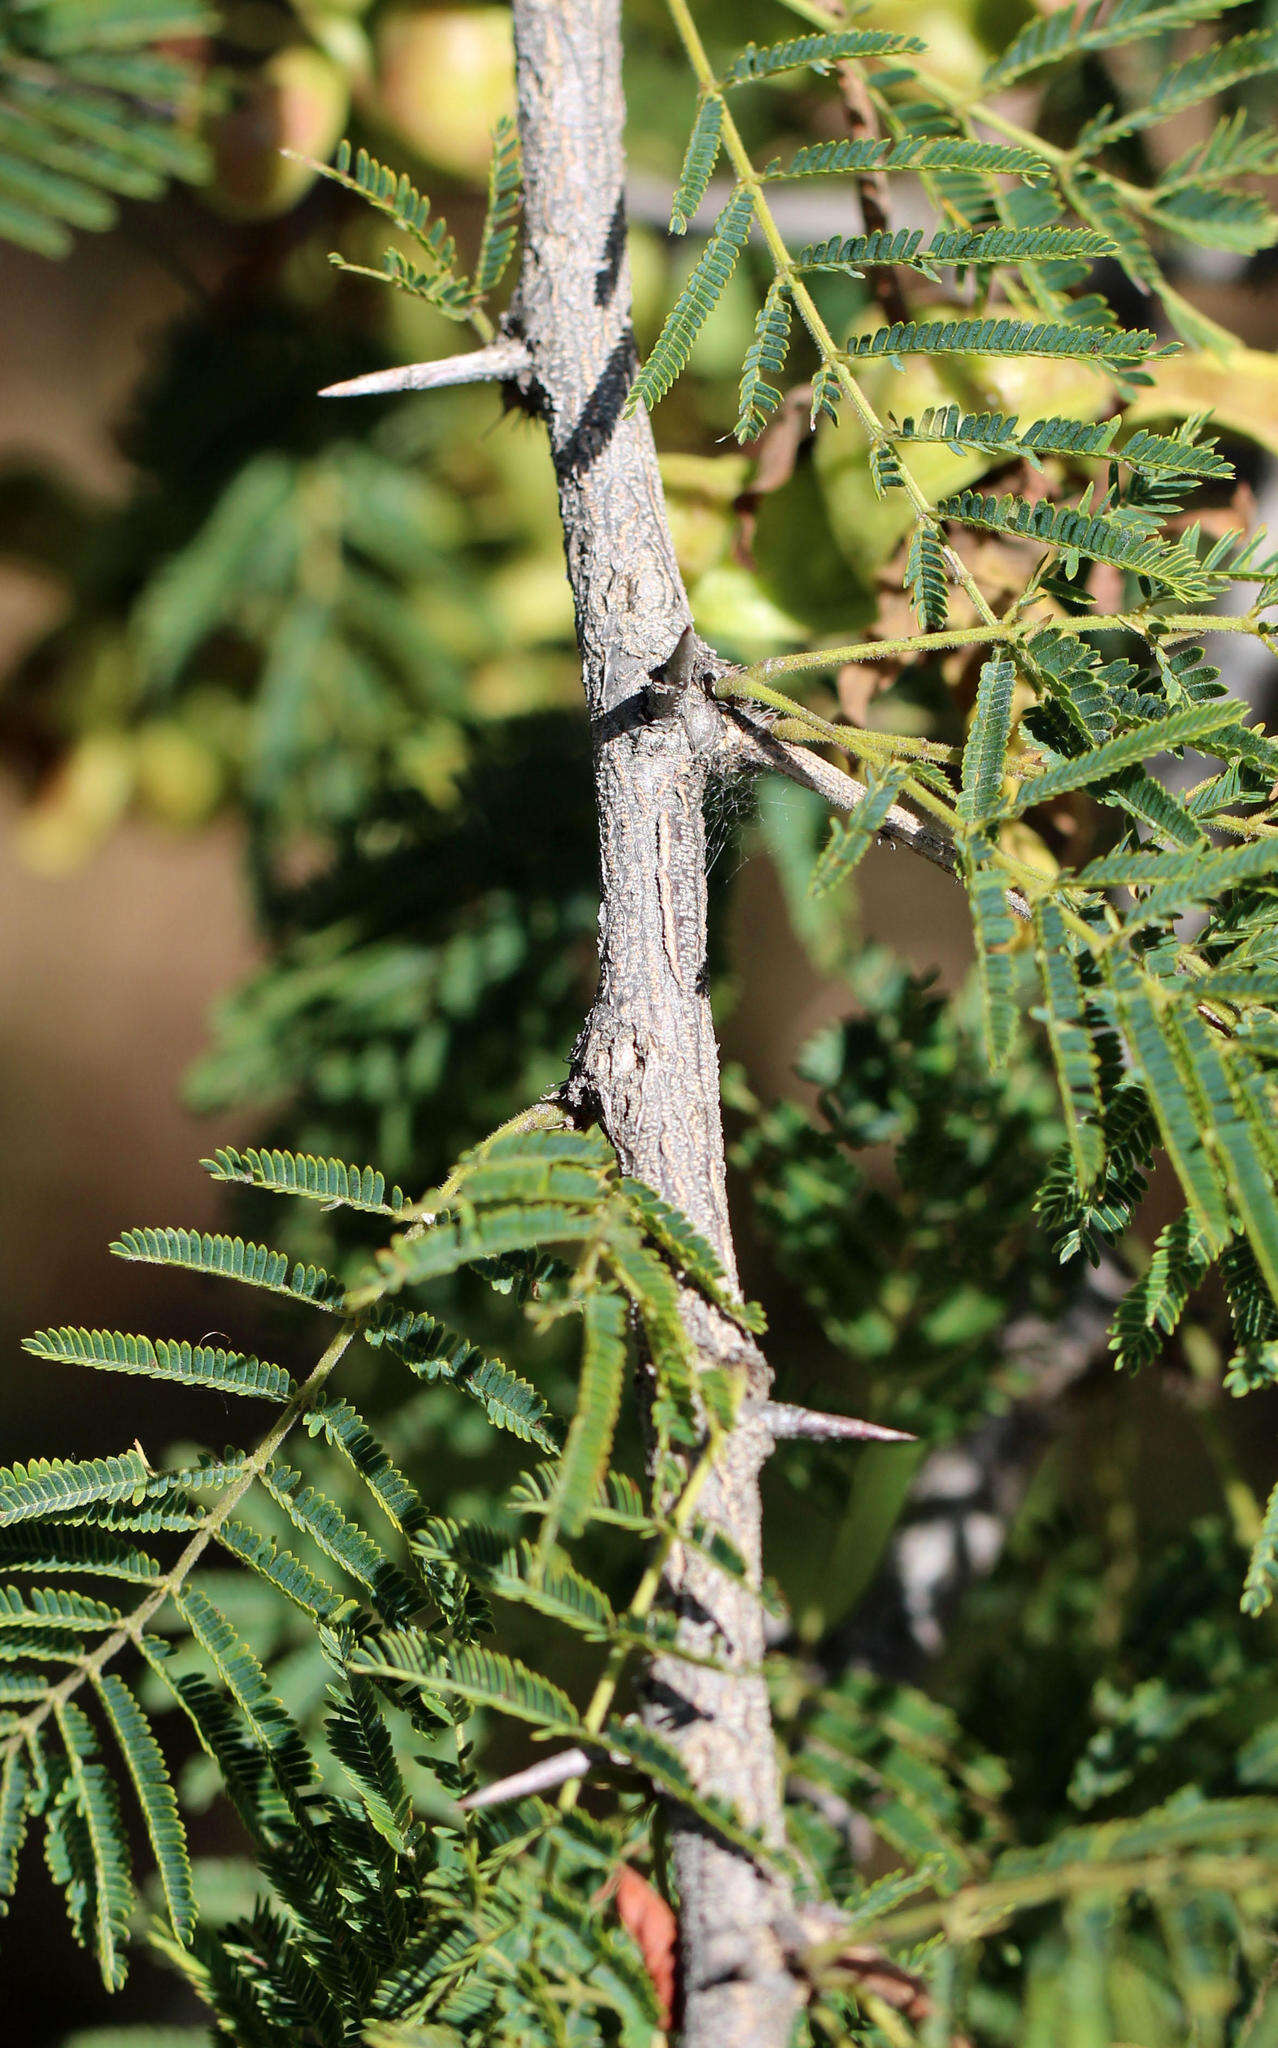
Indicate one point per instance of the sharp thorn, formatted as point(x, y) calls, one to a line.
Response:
point(787, 1422)
point(500, 359)
point(540, 1777)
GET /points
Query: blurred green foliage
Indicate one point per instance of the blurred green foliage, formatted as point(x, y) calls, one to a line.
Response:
point(351, 634)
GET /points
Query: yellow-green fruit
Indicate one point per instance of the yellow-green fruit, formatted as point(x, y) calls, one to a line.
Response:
point(178, 778)
point(298, 100)
point(954, 47)
point(84, 801)
point(444, 77)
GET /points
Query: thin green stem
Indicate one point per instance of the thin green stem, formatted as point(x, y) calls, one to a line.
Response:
point(859, 739)
point(810, 660)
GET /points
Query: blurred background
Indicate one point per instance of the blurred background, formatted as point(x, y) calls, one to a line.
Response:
point(296, 844)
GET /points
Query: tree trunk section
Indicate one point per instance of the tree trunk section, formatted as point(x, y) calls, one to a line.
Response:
point(647, 1060)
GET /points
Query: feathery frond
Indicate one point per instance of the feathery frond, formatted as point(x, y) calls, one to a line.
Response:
point(1113, 347)
point(230, 1258)
point(695, 303)
point(760, 395)
point(1067, 33)
point(94, 107)
point(816, 53)
point(699, 161)
point(396, 197)
point(161, 1358)
point(297, 1173)
point(501, 217)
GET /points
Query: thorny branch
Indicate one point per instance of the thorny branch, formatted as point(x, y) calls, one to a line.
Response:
point(647, 1061)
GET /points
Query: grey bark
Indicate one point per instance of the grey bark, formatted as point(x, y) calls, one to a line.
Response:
point(647, 1060)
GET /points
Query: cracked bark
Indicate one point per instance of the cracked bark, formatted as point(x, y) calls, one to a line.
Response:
point(647, 1061)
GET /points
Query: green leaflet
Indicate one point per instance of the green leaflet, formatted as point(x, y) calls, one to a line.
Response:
point(661, 1763)
point(1115, 347)
point(652, 1290)
point(514, 1571)
point(48, 1485)
point(347, 1431)
point(1170, 882)
point(91, 104)
point(985, 755)
point(150, 1777)
point(1002, 434)
point(360, 1740)
point(1189, 727)
point(280, 1569)
point(1095, 536)
point(995, 931)
point(586, 1453)
point(699, 161)
point(1262, 1571)
point(1152, 1308)
point(484, 1677)
point(916, 153)
point(827, 390)
point(196, 1365)
point(247, 1684)
point(56, 1547)
point(492, 1233)
point(1069, 674)
point(530, 1166)
point(695, 303)
point(1219, 220)
point(296, 1173)
point(1244, 1162)
point(395, 196)
point(50, 1605)
point(817, 53)
point(1144, 1020)
point(15, 1790)
point(614, 1965)
point(111, 1889)
point(689, 1253)
point(1066, 33)
point(618, 1500)
point(231, 1258)
point(1237, 985)
point(759, 396)
point(905, 248)
point(256, 1774)
point(851, 837)
point(1151, 803)
point(1077, 1069)
point(1170, 455)
point(1100, 202)
point(497, 241)
point(1233, 150)
point(349, 1546)
point(926, 576)
point(434, 1352)
point(1197, 78)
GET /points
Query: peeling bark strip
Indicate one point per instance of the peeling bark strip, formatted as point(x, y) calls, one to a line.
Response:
point(647, 1058)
